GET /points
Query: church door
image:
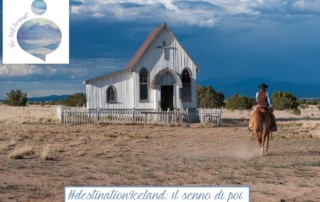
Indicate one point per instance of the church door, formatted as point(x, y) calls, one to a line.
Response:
point(167, 97)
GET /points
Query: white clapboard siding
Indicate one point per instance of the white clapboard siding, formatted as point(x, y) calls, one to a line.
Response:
point(154, 62)
point(96, 92)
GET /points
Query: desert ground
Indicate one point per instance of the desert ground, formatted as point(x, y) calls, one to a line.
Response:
point(40, 156)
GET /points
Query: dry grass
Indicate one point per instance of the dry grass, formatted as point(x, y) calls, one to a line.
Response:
point(6, 147)
point(22, 152)
point(111, 155)
point(46, 154)
point(12, 142)
point(3, 148)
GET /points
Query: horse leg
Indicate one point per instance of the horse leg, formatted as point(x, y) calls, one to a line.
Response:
point(268, 138)
point(258, 137)
point(261, 142)
point(263, 137)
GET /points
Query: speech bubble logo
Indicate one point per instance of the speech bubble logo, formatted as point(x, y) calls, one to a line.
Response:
point(39, 37)
point(39, 7)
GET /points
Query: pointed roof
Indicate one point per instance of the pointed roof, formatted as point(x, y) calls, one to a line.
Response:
point(140, 53)
point(146, 44)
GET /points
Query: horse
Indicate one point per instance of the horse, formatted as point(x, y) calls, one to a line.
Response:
point(261, 122)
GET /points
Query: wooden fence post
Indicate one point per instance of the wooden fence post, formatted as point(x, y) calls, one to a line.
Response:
point(98, 114)
point(62, 114)
point(145, 119)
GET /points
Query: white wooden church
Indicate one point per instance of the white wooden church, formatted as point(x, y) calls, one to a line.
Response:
point(161, 75)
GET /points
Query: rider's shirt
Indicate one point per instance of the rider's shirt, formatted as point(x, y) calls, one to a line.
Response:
point(263, 99)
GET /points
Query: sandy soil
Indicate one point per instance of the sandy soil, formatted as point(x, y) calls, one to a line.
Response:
point(81, 155)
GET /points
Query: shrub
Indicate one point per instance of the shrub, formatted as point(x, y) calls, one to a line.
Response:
point(303, 102)
point(296, 111)
point(207, 97)
point(60, 102)
point(284, 100)
point(16, 98)
point(240, 102)
point(308, 101)
point(314, 102)
point(76, 100)
point(303, 106)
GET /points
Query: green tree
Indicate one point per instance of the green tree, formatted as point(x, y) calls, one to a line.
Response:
point(284, 100)
point(16, 98)
point(76, 100)
point(207, 97)
point(240, 102)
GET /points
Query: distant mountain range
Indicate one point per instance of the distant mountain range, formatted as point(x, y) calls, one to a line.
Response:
point(48, 98)
point(249, 87)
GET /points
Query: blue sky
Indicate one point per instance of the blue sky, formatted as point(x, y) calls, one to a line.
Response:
point(230, 40)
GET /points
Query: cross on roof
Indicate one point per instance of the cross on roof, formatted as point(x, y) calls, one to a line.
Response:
point(165, 47)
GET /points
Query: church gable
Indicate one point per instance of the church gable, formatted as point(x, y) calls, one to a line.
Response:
point(161, 49)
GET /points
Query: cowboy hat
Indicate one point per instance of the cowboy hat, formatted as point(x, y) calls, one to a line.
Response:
point(263, 85)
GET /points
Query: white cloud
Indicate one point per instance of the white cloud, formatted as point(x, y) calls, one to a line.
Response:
point(198, 13)
point(235, 6)
point(307, 6)
point(27, 70)
point(207, 23)
point(78, 69)
point(146, 10)
point(271, 6)
point(19, 70)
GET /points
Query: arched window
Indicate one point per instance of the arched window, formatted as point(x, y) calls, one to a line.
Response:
point(144, 84)
point(111, 94)
point(186, 85)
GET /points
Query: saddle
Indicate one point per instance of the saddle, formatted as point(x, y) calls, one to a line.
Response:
point(262, 107)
